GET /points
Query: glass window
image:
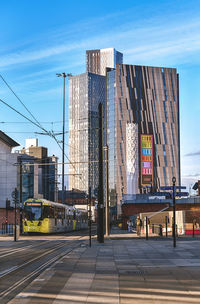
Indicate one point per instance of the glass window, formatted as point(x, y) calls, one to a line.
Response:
point(164, 133)
point(33, 213)
point(172, 111)
point(165, 110)
point(165, 176)
point(164, 83)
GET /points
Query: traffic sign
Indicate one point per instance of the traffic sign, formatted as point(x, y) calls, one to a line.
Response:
point(182, 193)
point(171, 187)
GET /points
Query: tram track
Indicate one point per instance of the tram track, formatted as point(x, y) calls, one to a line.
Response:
point(39, 265)
point(8, 252)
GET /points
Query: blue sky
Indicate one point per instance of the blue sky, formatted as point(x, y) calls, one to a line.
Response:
point(41, 38)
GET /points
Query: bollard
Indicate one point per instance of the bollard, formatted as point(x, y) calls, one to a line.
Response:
point(152, 228)
point(193, 231)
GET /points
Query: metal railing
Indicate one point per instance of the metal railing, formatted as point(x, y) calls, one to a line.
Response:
point(7, 229)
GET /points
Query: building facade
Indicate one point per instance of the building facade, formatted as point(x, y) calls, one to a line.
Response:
point(86, 91)
point(98, 60)
point(43, 169)
point(143, 129)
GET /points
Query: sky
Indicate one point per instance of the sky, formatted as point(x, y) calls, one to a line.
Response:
point(41, 38)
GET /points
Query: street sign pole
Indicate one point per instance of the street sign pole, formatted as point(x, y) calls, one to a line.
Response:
point(174, 211)
point(90, 217)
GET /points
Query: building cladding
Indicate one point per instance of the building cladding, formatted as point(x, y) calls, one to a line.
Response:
point(86, 91)
point(98, 60)
point(142, 100)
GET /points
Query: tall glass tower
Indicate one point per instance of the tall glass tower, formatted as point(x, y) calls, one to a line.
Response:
point(86, 91)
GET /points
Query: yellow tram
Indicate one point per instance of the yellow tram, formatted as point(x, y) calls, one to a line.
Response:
point(43, 216)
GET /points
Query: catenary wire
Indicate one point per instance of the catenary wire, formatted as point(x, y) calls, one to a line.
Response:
point(20, 100)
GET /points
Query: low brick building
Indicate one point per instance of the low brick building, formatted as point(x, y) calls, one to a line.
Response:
point(8, 215)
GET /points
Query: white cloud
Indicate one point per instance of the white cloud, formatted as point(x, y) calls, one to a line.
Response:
point(151, 41)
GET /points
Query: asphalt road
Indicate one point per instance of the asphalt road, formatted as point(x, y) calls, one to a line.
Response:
point(22, 261)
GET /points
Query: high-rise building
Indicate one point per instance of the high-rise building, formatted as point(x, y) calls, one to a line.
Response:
point(98, 60)
point(143, 129)
point(86, 91)
point(141, 120)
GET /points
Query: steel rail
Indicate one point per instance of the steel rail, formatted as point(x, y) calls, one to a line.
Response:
point(15, 250)
point(39, 269)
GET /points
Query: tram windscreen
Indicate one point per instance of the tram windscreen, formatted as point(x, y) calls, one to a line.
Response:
point(33, 211)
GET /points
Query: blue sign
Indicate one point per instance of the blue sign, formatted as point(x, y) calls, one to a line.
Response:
point(182, 193)
point(171, 187)
point(166, 188)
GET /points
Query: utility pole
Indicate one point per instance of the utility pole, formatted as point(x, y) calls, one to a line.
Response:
point(20, 193)
point(63, 135)
point(90, 217)
point(15, 200)
point(107, 215)
point(100, 207)
point(174, 211)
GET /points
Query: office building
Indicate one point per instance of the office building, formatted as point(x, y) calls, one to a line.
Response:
point(98, 60)
point(86, 91)
point(143, 129)
point(44, 170)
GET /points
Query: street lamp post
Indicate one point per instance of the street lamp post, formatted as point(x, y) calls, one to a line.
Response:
point(63, 134)
point(174, 211)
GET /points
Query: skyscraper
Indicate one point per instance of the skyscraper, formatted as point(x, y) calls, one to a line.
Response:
point(86, 91)
point(141, 125)
point(98, 60)
point(143, 128)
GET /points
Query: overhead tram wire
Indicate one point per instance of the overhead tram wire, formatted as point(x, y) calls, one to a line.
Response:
point(26, 122)
point(20, 100)
point(40, 127)
point(51, 134)
point(36, 124)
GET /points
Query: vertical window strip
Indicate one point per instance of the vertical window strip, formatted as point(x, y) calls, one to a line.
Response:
point(129, 82)
point(164, 83)
point(172, 111)
point(173, 161)
point(165, 110)
point(121, 152)
point(165, 157)
point(172, 86)
point(173, 140)
point(120, 104)
point(154, 85)
point(120, 123)
point(165, 177)
point(164, 133)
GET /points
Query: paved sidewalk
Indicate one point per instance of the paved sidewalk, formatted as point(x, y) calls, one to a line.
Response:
point(122, 270)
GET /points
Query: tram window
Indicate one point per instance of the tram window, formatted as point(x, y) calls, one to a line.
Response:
point(60, 213)
point(51, 211)
point(46, 212)
point(33, 213)
point(56, 212)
